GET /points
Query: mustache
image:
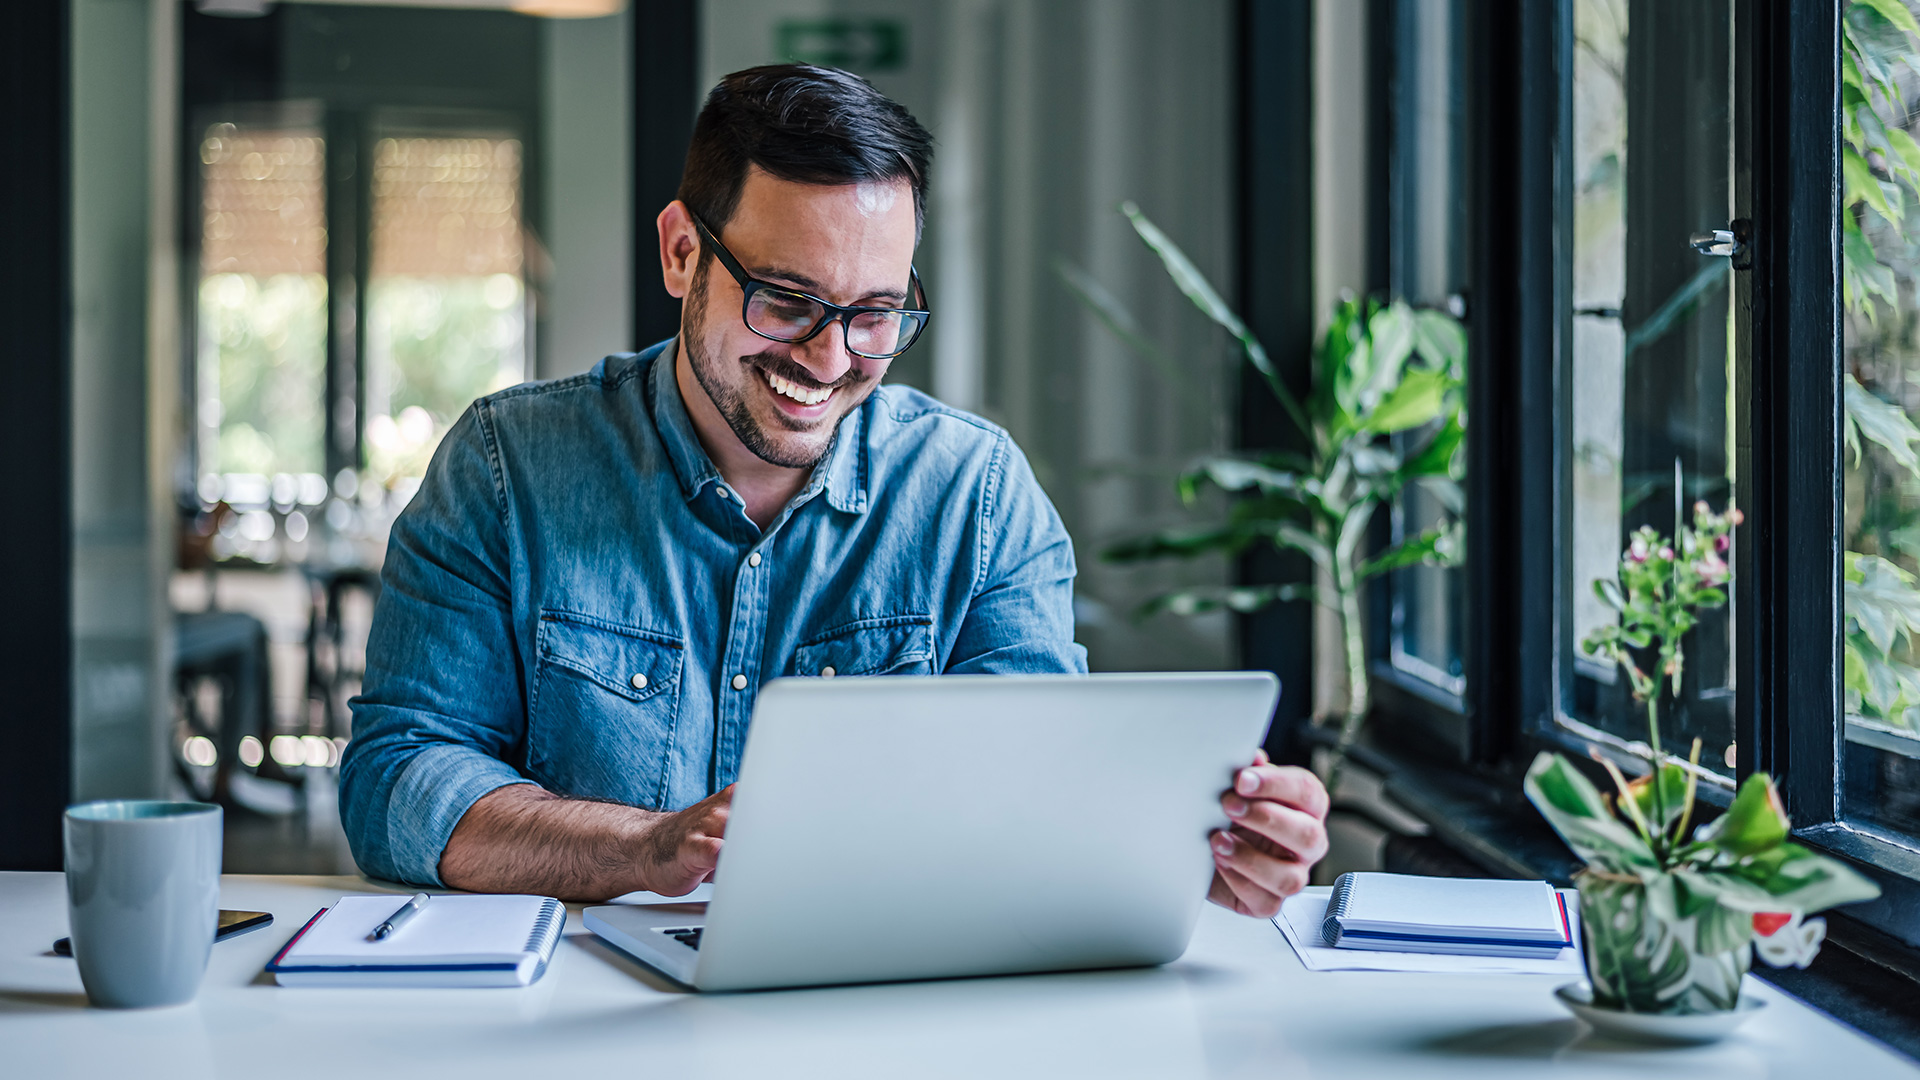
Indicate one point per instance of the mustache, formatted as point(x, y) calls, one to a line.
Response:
point(799, 376)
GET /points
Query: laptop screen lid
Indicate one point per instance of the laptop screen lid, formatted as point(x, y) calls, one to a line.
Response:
point(899, 828)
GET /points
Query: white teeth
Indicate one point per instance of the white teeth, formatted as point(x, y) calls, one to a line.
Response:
point(798, 393)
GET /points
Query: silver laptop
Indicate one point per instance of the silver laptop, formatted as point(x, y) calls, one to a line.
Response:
point(911, 828)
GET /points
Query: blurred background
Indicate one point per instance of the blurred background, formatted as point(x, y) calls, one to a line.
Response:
point(305, 235)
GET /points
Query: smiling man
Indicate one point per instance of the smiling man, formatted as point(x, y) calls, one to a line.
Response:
point(598, 573)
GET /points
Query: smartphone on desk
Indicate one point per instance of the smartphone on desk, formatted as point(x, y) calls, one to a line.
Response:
point(231, 923)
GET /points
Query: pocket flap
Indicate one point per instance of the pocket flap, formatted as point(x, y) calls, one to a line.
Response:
point(882, 646)
point(635, 664)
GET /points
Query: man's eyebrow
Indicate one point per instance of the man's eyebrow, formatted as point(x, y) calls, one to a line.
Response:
point(781, 275)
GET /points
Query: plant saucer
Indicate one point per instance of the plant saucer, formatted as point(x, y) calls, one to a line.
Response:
point(1671, 1029)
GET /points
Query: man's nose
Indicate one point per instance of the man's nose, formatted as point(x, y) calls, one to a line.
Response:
point(825, 356)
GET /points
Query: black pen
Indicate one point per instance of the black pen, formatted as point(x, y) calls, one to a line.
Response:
point(399, 918)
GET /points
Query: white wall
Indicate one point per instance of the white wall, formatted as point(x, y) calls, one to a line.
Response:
point(587, 299)
point(125, 100)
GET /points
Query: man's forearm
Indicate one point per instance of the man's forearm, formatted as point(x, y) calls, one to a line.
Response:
point(524, 839)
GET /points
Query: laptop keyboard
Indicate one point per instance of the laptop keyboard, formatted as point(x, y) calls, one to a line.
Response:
point(688, 936)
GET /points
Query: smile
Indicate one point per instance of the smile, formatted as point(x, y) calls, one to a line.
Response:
point(799, 393)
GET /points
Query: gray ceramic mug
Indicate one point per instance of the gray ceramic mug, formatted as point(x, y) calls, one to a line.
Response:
point(143, 898)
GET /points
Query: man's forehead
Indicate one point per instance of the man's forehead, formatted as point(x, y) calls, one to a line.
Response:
point(853, 237)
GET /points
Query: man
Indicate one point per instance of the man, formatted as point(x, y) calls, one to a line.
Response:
point(599, 572)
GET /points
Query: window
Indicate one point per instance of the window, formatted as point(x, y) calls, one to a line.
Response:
point(261, 347)
point(1429, 244)
point(446, 303)
point(1650, 417)
point(1880, 379)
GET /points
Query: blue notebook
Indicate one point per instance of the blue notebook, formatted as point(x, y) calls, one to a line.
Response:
point(455, 941)
point(1462, 916)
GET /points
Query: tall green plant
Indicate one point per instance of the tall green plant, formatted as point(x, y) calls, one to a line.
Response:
point(1385, 413)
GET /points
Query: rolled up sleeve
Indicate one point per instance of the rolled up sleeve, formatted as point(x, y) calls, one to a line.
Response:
point(441, 715)
point(1020, 618)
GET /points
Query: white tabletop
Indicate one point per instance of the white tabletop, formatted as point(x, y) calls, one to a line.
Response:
point(1237, 1005)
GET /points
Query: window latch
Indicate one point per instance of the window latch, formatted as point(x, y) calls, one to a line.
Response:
point(1730, 242)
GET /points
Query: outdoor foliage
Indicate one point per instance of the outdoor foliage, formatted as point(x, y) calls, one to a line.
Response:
point(1881, 264)
point(1666, 907)
point(1386, 411)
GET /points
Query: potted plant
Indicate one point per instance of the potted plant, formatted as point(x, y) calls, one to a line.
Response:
point(1386, 413)
point(1670, 911)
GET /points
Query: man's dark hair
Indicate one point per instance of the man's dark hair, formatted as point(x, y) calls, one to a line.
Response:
point(806, 124)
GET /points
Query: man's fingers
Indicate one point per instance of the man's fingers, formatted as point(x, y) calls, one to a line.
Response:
point(1296, 787)
point(1297, 832)
point(1249, 858)
point(1243, 894)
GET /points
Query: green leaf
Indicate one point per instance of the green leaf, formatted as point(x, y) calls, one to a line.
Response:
point(1435, 547)
point(1288, 535)
point(1796, 878)
point(1609, 593)
point(1441, 341)
point(1863, 186)
point(1416, 401)
point(1191, 282)
point(1441, 453)
point(1881, 599)
point(1753, 823)
point(1239, 474)
point(1907, 150)
point(1242, 598)
point(1883, 423)
point(1895, 12)
point(1575, 810)
point(1390, 343)
point(1673, 786)
point(1183, 543)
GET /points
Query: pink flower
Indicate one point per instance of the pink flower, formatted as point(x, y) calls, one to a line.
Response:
point(1666, 553)
point(1637, 549)
point(1722, 543)
point(1712, 570)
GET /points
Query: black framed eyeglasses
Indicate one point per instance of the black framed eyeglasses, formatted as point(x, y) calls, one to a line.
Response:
point(790, 316)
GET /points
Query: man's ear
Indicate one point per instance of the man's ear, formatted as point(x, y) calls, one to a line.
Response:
point(679, 248)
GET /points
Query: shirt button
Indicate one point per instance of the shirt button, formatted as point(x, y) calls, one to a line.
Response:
point(639, 681)
point(753, 559)
point(828, 672)
point(723, 493)
point(739, 682)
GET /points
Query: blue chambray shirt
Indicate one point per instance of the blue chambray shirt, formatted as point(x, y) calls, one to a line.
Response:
point(574, 594)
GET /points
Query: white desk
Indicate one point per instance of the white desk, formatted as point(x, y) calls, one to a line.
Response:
point(1237, 1005)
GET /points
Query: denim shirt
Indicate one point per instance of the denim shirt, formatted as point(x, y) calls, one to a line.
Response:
point(575, 598)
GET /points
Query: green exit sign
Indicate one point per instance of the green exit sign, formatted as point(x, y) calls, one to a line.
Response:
point(864, 45)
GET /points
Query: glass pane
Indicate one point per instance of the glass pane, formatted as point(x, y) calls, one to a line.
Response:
point(262, 327)
point(1430, 267)
point(446, 302)
point(1881, 393)
point(1651, 408)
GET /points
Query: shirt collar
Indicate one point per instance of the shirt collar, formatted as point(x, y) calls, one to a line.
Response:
point(843, 473)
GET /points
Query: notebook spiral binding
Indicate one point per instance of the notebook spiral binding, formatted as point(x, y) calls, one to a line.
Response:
point(546, 929)
point(1336, 908)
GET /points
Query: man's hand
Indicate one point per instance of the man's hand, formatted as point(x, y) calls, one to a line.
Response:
point(1279, 831)
point(680, 850)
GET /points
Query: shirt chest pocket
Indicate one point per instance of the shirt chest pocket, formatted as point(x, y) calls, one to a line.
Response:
point(890, 645)
point(604, 711)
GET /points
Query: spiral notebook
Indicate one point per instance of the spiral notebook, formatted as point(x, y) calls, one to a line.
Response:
point(454, 941)
point(1461, 916)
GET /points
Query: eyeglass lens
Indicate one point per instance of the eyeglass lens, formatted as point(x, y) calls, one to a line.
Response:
point(786, 316)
